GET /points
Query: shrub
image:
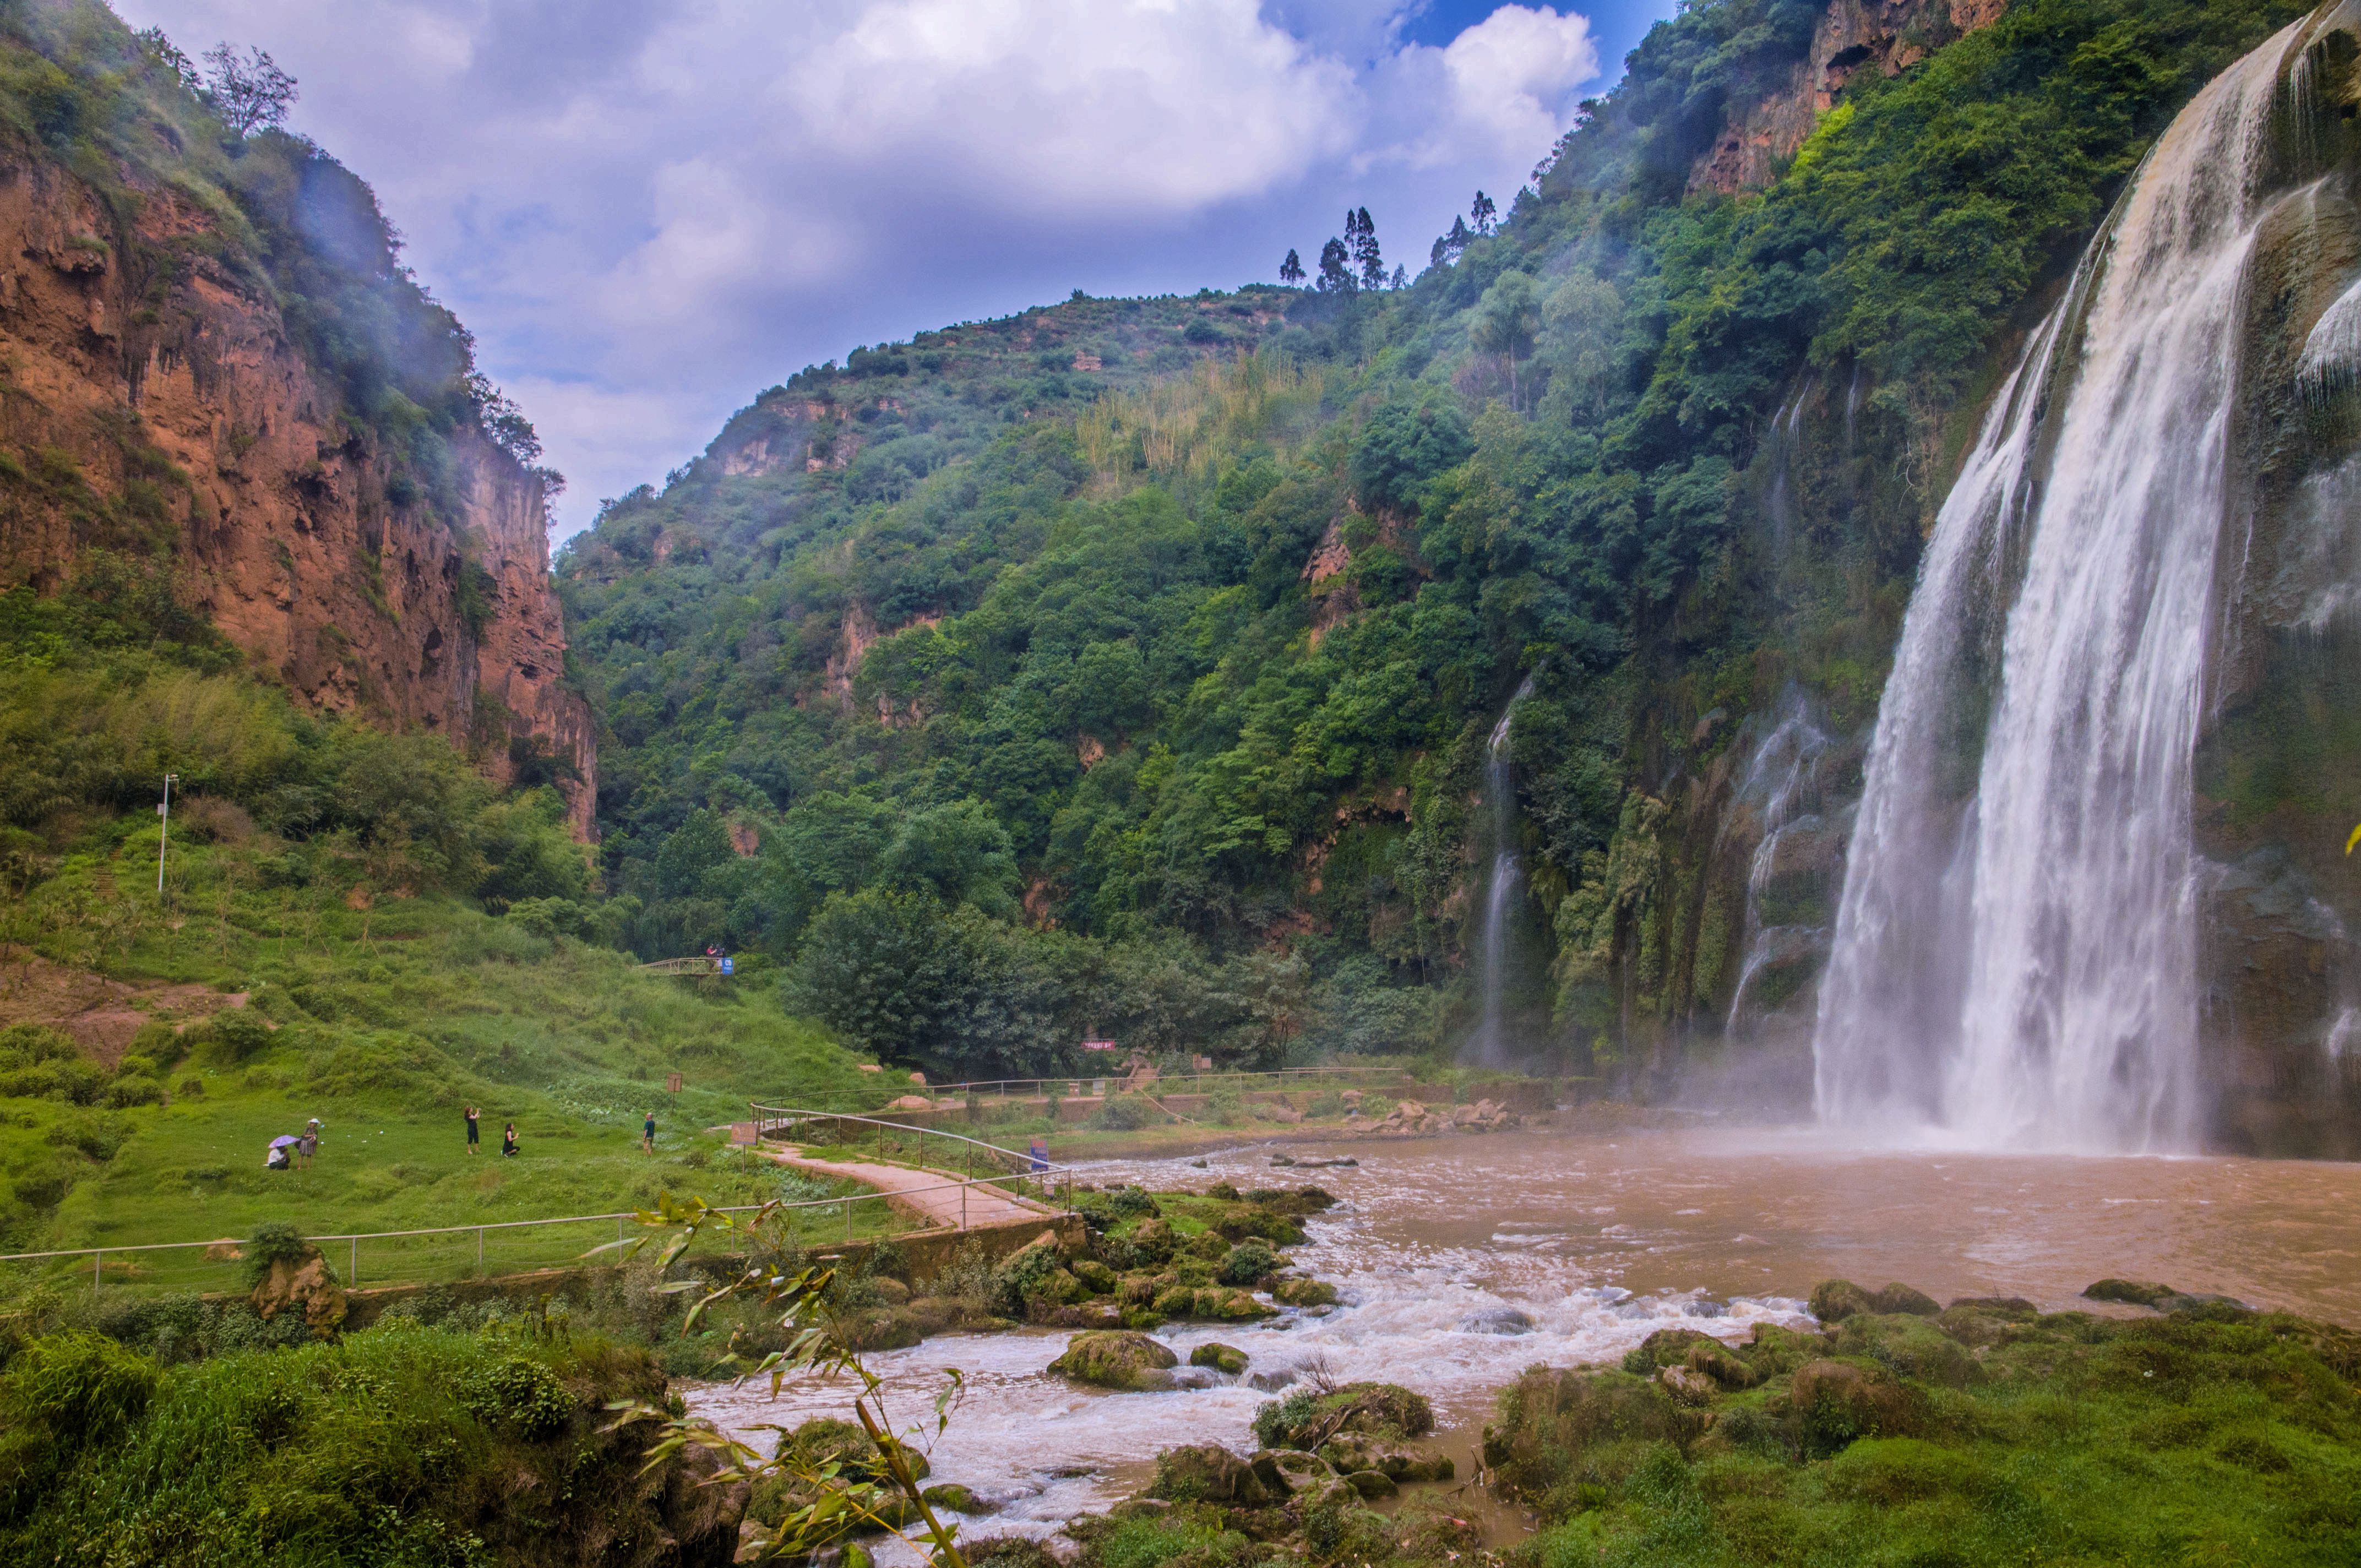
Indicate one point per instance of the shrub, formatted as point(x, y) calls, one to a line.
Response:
point(274, 1240)
point(83, 1387)
point(233, 1036)
point(1127, 1114)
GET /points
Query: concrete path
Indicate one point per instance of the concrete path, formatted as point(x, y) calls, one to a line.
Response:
point(928, 1194)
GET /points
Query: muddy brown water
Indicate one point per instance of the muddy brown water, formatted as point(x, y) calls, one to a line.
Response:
point(1463, 1260)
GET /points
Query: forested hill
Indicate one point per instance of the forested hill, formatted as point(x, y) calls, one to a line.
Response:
point(1126, 667)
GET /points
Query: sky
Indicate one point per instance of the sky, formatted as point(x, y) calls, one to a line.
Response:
point(647, 211)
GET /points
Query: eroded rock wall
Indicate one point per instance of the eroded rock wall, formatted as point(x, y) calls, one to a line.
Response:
point(152, 398)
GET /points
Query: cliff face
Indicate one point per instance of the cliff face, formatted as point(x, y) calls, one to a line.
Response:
point(1853, 36)
point(151, 398)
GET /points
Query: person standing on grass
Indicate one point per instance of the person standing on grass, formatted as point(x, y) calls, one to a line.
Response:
point(472, 1114)
point(308, 1144)
point(648, 1133)
point(508, 1141)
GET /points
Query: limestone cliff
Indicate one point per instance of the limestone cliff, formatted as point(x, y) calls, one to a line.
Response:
point(1853, 36)
point(154, 400)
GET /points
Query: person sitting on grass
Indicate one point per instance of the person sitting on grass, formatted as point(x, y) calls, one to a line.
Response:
point(508, 1141)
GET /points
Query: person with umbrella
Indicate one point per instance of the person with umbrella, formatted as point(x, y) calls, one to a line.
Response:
point(279, 1157)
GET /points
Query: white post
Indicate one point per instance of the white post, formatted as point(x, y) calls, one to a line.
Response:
point(95, 1258)
point(356, 1274)
point(163, 831)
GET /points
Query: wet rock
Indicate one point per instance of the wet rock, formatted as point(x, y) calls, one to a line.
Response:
point(1207, 1473)
point(1842, 1400)
point(1197, 1164)
point(1286, 1471)
point(1117, 1359)
point(1350, 1451)
point(1833, 1300)
point(1301, 1292)
point(1497, 1321)
point(2165, 1298)
point(1223, 1192)
point(1270, 1382)
point(1096, 1276)
point(1386, 1411)
point(1196, 1377)
point(1903, 1299)
point(1220, 1357)
point(2138, 1293)
point(958, 1499)
point(1705, 1309)
point(1280, 1159)
point(1372, 1483)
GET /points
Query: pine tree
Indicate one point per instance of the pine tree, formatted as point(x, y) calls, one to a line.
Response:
point(1485, 214)
point(1401, 279)
point(1291, 271)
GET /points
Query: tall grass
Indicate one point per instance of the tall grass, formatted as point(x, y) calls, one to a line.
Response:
point(1191, 425)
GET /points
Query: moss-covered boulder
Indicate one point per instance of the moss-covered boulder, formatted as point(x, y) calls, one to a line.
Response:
point(1118, 1358)
point(1834, 1300)
point(1910, 1346)
point(958, 1499)
point(1892, 1299)
point(1986, 1319)
point(1666, 1347)
point(1306, 1420)
point(1222, 1358)
point(1840, 1401)
point(1208, 1472)
point(1096, 1276)
point(1298, 1292)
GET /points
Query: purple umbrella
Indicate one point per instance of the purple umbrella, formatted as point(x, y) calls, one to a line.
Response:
point(282, 1143)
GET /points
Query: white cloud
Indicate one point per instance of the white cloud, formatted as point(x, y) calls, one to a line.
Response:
point(647, 213)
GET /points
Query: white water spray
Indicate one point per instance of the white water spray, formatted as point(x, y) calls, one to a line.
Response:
point(2017, 966)
point(1780, 777)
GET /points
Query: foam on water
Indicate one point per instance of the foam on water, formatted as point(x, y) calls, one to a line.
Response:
point(1442, 1320)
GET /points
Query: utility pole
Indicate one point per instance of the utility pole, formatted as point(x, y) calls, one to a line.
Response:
point(163, 831)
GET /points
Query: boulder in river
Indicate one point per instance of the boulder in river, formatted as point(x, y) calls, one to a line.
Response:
point(1497, 1321)
point(1833, 1300)
point(1117, 1358)
point(1208, 1472)
point(1220, 1357)
point(1903, 1299)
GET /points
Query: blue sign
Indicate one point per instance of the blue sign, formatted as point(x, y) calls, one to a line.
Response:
point(725, 965)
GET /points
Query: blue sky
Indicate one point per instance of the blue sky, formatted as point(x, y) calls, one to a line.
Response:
point(649, 212)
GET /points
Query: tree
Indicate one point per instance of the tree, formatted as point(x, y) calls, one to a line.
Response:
point(1484, 214)
point(1401, 279)
point(162, 51)
point(249, 94)
point(1506, 320)
point(1335, 269)
point(1362, 234)
point(1291, 271)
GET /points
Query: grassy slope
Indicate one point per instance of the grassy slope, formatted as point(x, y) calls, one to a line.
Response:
point(388, 1022)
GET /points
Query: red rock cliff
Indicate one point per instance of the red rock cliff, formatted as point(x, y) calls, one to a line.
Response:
point(175, 409)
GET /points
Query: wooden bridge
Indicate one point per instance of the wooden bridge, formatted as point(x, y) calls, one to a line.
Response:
point(700, 965)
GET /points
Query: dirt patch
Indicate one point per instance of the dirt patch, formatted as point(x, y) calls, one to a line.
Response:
point(97, 1013)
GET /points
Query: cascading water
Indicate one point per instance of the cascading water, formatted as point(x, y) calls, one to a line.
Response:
point(2016, 965)
point(1781, 778)
point(1508, 876)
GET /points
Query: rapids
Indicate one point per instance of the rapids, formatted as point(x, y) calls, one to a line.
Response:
point(1599, 1240)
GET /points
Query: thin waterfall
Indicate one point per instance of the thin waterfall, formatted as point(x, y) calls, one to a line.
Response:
point(1782, 777)
point(1506, 880)
point(2015, 963)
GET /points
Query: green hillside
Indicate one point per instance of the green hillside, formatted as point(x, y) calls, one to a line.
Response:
point(1171, 724)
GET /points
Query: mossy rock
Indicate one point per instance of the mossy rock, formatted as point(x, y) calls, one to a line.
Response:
point(1000, 1551)
point(1302, 1292)
point(1834, 1300)
point(958, 1499)
point(1715, 1360)
point(1909, 1346)
point(1207, 1473)
point(1096, 1276)
point(1839, 1401)
point(1982, 1320)
point(1304, 1420)
point(1117, 1358)
point(1222, 1358)
point(1551, 1419)
point(1666, 1347)
point(1372, 1483)
point(1894, 1298)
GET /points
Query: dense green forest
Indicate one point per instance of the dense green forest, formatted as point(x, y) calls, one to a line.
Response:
point(1124, 667)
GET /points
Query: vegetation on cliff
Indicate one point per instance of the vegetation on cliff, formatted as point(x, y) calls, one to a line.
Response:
point(1160, 638)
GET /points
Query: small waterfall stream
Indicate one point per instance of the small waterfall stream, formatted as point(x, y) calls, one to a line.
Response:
point(2015, 965)
point(1506, 879)
point(1782, 779)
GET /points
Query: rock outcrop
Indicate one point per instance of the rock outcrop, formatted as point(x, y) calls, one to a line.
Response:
point(1853, 36)
point(156, 396)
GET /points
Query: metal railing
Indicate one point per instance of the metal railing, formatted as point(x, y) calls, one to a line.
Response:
point(1055, 1183)
point(1085, 1086)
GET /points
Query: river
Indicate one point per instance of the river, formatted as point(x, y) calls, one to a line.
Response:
point(1598, 1240)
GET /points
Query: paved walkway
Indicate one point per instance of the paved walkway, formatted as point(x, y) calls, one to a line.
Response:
point(930, 1194)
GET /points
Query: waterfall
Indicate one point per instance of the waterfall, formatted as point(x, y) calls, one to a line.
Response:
point(1780, 777)
point(2015, 963)
point(1507, 875)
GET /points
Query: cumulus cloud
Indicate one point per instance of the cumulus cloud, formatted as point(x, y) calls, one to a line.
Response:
point(647, 213)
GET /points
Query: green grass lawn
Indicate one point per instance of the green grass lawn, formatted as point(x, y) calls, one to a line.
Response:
point(385, 1022)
